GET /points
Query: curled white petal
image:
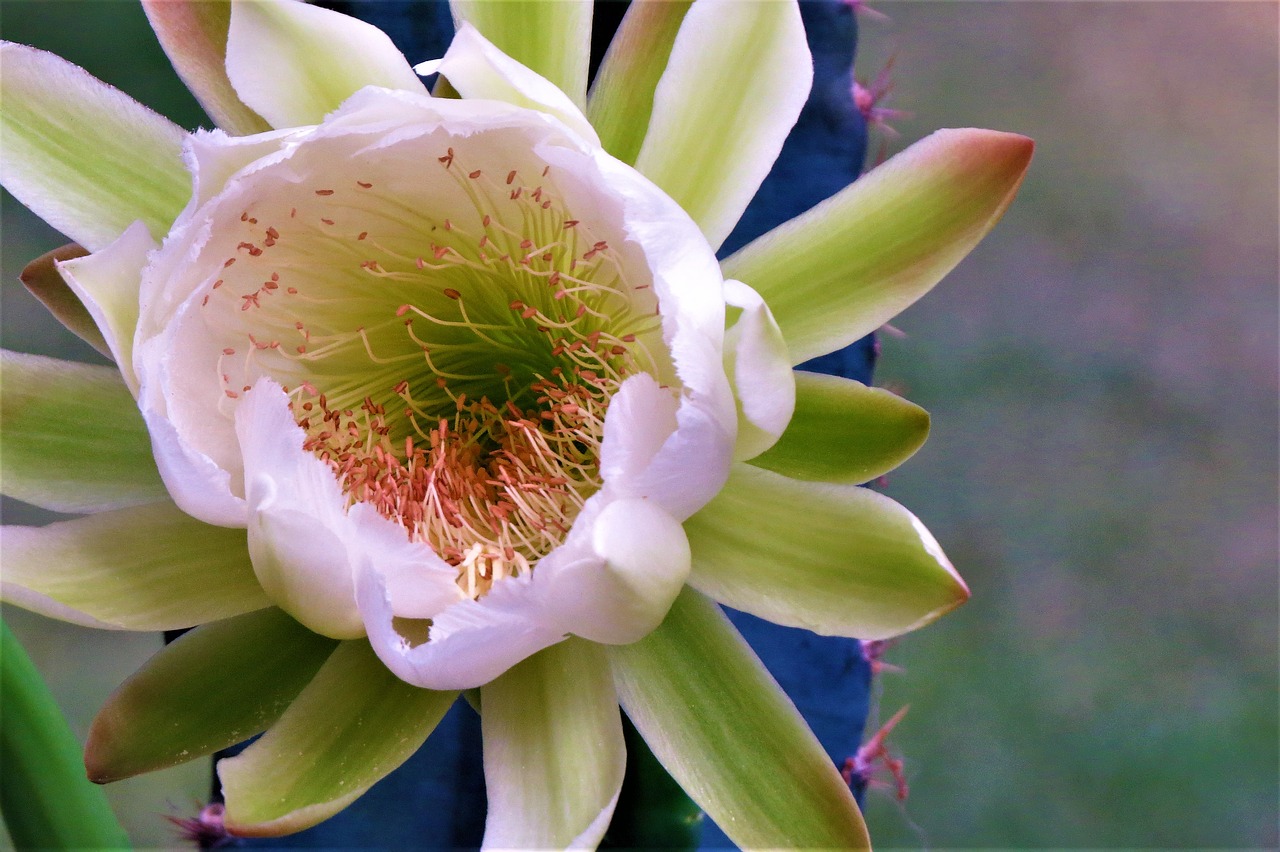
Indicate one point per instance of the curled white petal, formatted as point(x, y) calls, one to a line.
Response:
point(107, 283)
point(467, 645)
point(477, 69)
point(418, 583)
point(638, 563)
point(292, 62)
point(297, 518)
point(759, 367)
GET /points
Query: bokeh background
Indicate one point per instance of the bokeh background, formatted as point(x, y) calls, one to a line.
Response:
point(1102, 373)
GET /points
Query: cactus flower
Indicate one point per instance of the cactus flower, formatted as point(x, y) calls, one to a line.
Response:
point(417, 394)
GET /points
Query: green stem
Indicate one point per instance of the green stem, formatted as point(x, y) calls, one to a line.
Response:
point(47, 801)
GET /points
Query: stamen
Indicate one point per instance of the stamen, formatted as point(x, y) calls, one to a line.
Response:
point(468, 374)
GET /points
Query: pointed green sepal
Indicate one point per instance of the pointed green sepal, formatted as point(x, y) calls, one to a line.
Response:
point(74, 440)
point(725, 730)
point(147, 567)
point(193, 34)
point(835, 559)
point(859, 258)
point(621, 99)
point(353, 724)
point(85, 157)
point(213, 687)
point(843, 431)
point(42, 280)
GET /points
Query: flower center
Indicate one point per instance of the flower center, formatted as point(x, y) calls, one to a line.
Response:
point(449, 346)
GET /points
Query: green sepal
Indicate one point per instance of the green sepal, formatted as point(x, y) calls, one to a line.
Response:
point(852, 263)
point(83, 156)
point(194, 37)
point(839, 560)
point(354, 723)
point(42, 280)
point(844, 431)
point(150, 567)
point(621, 98)
point(551, 39)
point(213, 687)
point(722, 726)
point(653, 811)
point(74, 440)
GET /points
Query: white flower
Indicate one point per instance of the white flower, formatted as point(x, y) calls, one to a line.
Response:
point(453, 353)
point(468, 373)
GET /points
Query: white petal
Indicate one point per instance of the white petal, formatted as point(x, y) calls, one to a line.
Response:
point(641, 562)
point(195, 482)
point(419, 584)
point(215, 157)
point(759, 369)
point(107, 282)
point(553, 39)
point(694, 460)
point(190, 452)
point(293, 63)
point(471, 642)
point(297, 518)
point(478, 70)
point(689, 468)
point(641, 416)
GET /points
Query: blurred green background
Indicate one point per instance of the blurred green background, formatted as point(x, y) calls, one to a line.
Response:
point(1103, 466)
